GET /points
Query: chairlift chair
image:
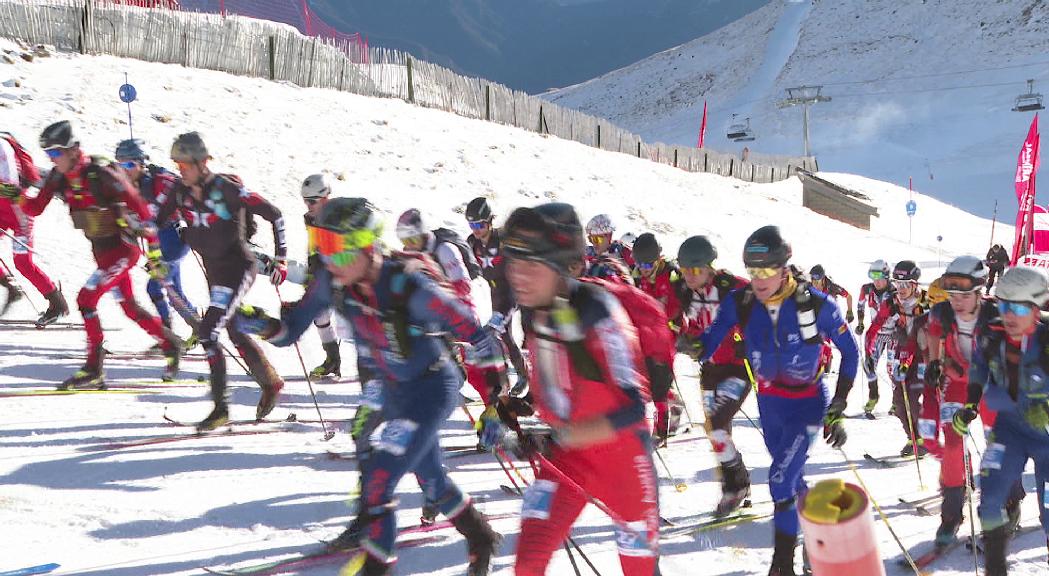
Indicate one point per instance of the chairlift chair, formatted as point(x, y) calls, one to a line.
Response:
point(1029, 102)
point(736, 129)
point(748, 134)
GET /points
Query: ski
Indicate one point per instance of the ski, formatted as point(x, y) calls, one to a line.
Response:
point(449, 451)
point(932, 498)
point(933, 555)
point(747, 504)
point(712, 523)
point(311, 559)
point(886, 461)
point(25, 392)
point(979, 544)
point(31, 570)
point(173, 438)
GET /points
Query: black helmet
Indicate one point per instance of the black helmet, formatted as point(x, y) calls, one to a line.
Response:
point(549, 233)
point(189, 147)
point(478, 210)
point(765, 248)
point(906, 270)
point(58, 135)
point(131, 150)
point(345, 215)
point(647, 248)
point(696, 251)
point(817, 272)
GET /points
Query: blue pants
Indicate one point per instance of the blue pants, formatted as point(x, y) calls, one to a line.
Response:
point(407, 441)
point(172, 250)
point(1009, 446)
point(789, 425)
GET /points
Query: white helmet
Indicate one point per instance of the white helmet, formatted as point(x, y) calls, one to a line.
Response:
point(879, 266)
point(315, 187)
point(600, 224)
point(968, 267)
point(1024, 284)
point(628, 239)
point(411, 224)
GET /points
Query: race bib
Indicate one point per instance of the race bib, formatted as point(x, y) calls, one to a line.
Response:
point(394, 436)
point(538, 499)
point(635, 541)
point(947, 410)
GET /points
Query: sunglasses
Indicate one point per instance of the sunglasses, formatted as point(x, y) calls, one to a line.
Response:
point(1015, 308)
point(311, 201)
point(646, 266)
point(877, 275)
point(479, 225)
point(54, 153)
point(695, 270)
point(599, 239)
point(128, 164)
point(340, 249)
point(763, 273)
point(958, 284)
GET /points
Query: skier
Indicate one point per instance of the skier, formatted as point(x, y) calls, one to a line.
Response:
point(603, 254)
point(589, 388)
point(871, 296)
point(17, 174)
point(953, 329)
point(218, 211)
point(784, 324)
point(895, 316)
point(1010, 371)
point(914, 359)
point(153, 184)
point(395, 307)
point(997, 259)
point(723, 378)
point(661, 279)
point(823, 283)
point(485, 242)
point(106, 207)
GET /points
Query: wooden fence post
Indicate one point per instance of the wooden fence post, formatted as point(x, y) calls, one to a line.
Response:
point(675, 157)
point(273, 57)
point(84, 26)
point(313, 58)
point(540, 128)
point(639, 148)
point(599, 135)
point(488, 102)
point(411, 87)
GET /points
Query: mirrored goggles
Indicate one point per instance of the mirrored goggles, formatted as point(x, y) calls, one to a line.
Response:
point(1014, 308)
point(763, 273)
point(877, 275)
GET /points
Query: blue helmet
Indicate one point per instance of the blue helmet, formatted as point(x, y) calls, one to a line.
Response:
point(131, 150)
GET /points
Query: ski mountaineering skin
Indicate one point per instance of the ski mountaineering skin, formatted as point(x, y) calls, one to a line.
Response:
point(594, 401)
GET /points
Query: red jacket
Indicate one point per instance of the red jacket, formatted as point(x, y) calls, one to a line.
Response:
point(700, 309)
point(664, 287)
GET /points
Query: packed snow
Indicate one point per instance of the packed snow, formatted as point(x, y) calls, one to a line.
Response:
point(174, 508)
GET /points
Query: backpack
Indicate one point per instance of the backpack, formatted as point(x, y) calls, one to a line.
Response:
point(452, 237)
point(647, 316)
point(247, 220)
point(28, 175)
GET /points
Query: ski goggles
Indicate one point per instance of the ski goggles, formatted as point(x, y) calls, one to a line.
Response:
point(55, 153)
point(479, 224)
point(599, 239)
point(414, 242)
point(763, 273)
point(816, 277)
point(695, 270)
point(647, 266)
point(1015, 308)
point(128, 164)
point(904, 283)
point(311, 201)
point(341, 249)
point(878, 275)
point(958, 284)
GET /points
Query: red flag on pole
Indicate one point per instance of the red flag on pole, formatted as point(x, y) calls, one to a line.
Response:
point(703, 127)
point(1026, 166)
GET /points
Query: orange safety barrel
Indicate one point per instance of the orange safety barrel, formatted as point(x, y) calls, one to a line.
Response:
point(839, 530)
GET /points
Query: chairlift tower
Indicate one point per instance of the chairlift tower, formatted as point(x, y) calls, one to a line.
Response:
point(804, 96)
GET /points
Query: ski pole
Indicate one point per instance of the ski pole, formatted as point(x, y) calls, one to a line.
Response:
point(24, 245)
point(18, 285)
point(737, 338)
point(679, 486)
point(966, 463)
point(328, 434)
point(884, 518)
point(905, 391)
point(691, 423)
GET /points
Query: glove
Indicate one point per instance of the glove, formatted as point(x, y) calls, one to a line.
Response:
point(490, 428)
point(485, 352)
point(497, 323)
point(901, 372)
point(156, 267)
point(859, 328)
point(279, 273)
point(689, 346)
point(360, 421)
point(849, 316)
point(962, 418)
point(252, 320)
point(534, 438)
point(10, 191)
point(834, 424)
point(180, 229)
point(371, 403)
point(934, 374)
point(1037, 416)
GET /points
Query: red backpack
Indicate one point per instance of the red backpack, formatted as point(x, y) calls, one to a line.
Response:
point(28, 175)
point(647, 316)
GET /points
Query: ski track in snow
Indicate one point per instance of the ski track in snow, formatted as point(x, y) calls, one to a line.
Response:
point(170, 509)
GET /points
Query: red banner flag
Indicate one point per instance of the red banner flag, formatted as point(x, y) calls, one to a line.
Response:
point(703, 127)
point(1026, 166)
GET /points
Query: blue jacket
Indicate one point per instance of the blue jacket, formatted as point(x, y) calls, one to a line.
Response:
point(988, 368)
point(782, 362)
point(400, 334)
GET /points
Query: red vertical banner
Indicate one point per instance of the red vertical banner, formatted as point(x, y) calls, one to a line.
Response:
point(702, 127)
point(1026, 165)
point(306, 18)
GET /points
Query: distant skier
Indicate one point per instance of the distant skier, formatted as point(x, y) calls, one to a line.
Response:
point(1010, 372)
point(17, 174)
point(589, 388)
point(113, 217)
point(871, 296)
point(723, 377)
point(784, 324)
point(399, 314)
point(823, 283)
point(997, 259)
point(218, 211)
point(605, 257)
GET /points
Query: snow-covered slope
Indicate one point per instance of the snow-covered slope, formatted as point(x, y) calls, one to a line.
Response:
point(173, 508)
point(901, 106)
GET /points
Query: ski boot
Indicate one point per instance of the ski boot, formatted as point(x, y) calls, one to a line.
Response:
point(735, 487)
point(56, 308)
point(994, 545)
point(172, 354)
point(481, 541)
point(350, 538)
point(429, 514)
point(14, 293)
point(190, 343)
point(950, 516)
point(219, 416)
point(268, 401)
point(908, 449)
point(868, 408)
point(783, 554)
point(332, 365)
point(373, 567)
point(90, 375)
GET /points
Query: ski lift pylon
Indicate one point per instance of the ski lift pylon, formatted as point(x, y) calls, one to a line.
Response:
point(1029, 102)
